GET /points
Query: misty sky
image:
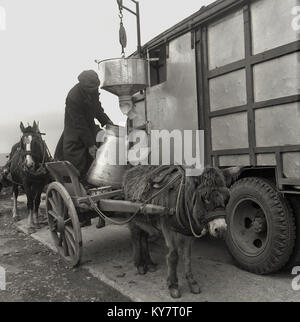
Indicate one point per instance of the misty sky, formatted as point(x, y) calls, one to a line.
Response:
point(47, 43)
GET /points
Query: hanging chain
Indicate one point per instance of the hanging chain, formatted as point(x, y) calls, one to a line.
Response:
point(122, 33)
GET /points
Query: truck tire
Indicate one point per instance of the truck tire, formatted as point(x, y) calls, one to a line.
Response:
point(261, 226)
point(294, 201)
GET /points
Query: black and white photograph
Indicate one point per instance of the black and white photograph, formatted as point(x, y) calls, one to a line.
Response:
point(149, 154)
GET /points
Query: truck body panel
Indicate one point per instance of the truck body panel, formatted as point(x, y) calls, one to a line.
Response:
point(232, 69)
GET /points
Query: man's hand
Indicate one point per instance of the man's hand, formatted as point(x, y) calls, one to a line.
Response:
point(93, 151)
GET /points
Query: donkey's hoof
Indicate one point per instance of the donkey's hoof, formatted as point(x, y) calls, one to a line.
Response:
point(141, 270)
point(195, 288)
point(16, 218)
point(175, 293)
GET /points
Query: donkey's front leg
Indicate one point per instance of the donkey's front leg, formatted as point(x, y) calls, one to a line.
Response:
point(172, 258)
point(15, 200)
point(187, 250)
point(38, 189)
point(29, 195)
point(30, 224)
point(150, 265)
point(172, 261)
point(137, 248)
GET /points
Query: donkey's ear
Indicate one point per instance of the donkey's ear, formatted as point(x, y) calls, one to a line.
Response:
point(231, 175)
point(22, 127)
point(35, 126)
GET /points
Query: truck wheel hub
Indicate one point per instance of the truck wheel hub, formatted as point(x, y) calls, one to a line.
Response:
point(259, 225)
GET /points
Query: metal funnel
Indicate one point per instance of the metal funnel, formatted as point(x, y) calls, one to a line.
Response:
point(123, 76)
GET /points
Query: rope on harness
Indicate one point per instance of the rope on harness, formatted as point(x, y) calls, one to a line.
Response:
point(187, 210)
point(103, 216)
point(141, 208)
point(180, 198)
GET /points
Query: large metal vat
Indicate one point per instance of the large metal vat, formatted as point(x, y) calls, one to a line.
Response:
point(124, 77)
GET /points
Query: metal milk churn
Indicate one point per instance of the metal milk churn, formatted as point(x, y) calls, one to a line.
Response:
point(111, 163)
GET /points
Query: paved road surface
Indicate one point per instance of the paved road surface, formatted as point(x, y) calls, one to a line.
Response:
point(108, 258)
point(35, 273)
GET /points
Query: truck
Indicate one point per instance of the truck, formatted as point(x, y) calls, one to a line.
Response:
point(232, 70)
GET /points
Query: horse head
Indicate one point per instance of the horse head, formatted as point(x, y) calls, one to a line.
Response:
point(210, 195)
point(32, 146)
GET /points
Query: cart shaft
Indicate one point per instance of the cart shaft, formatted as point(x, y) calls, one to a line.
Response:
point(132, 207)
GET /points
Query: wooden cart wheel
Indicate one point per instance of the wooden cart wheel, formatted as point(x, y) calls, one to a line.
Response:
point(64, 224)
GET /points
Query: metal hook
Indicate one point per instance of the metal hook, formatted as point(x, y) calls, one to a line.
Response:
point(120, 3)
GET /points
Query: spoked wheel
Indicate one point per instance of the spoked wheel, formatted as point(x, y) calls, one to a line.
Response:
point(64, 224)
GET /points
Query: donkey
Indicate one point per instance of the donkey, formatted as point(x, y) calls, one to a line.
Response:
point(200, 203)
point(26, 168)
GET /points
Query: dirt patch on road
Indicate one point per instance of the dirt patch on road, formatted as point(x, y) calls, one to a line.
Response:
point(34, 273)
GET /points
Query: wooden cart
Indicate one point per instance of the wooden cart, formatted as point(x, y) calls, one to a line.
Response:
point(67, 199)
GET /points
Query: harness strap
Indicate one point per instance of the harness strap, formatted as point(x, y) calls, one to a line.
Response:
point(102, 215)
point(180, 200)
point(212, 215)
point(190, 219)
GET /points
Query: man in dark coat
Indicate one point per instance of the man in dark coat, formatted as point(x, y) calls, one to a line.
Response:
point(78, 141)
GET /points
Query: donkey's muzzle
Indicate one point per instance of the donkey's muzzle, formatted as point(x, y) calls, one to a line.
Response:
point(216, 220)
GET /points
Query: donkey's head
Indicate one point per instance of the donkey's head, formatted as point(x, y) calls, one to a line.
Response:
point(210, 198)
point(31, 145)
